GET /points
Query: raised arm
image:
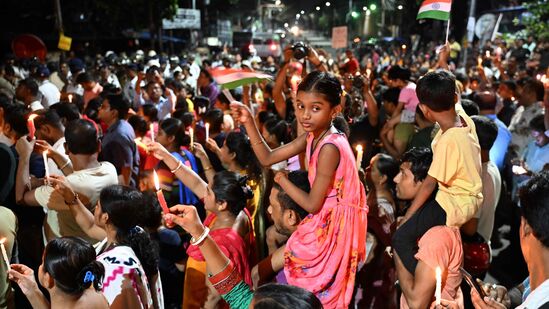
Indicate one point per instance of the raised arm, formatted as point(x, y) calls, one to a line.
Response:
point(81, 214)
point(182, 172)
point(279, 97)
point(373, 110)
point(328, 160)
point(264, 153)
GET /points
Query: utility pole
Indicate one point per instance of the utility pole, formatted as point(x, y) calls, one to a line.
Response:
point(470, 30)
point(58, 15)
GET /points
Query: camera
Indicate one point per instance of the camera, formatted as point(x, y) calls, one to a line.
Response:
point(358, 82)
point(300, 50)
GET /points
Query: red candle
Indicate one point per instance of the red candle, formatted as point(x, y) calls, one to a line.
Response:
point(159, 194)
point(30, 125)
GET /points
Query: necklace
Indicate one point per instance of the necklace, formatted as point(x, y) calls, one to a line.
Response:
point(319, 139)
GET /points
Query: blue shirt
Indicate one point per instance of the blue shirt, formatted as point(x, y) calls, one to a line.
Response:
point(119, 148)
point(499, 149)
point(164, 106)
point(536, 157)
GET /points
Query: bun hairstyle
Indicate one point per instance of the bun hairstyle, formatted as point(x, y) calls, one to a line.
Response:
point(174, 127)
point(71, 263)
point(239, 144)
point(278, 128)
point(232, 188)
point(322, 83)
point(124, 205)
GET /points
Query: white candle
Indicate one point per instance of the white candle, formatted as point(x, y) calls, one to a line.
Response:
point(151, 129)
point(4, 253)
point(45, 157)
point(70, 98)
point(438, 289)
point(207, 131)
point(191, 134)
point(359, 154)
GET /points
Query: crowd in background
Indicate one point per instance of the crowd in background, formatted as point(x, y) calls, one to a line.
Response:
point(301, 191)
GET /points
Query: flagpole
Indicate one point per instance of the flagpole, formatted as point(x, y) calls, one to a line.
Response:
point(447, 29)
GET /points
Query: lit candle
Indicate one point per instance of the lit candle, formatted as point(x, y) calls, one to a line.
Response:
point(487, 54)
point(70, 97)
point(499, 51)
point(191, 134)
point(207, 131)
point(479, 61)
point(359, 154)
point(4, 253)
point(538, 77)
point(151, 130)
point(159, 194)
point(30, 125)
point(45, 157)
point(368, 73)
point(438, 289)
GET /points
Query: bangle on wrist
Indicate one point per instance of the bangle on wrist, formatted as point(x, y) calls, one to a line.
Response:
point(200, 239)
point(65, 165)
point(179, 165)
point(208, 168)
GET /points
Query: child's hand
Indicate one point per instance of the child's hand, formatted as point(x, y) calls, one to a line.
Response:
point(280, 175)
point(241, 112)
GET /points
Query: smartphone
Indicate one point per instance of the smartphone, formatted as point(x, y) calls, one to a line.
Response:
point(472, 282)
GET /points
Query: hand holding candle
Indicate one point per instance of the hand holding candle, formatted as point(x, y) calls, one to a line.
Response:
point(359, 154)
point(191, 134)
point(4, 253)
point(438, 289)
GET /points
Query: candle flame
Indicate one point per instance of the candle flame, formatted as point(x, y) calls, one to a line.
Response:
point(156, 181)
point(32, 116)
point(358, 148)
point(438, 272)
point(2, 240)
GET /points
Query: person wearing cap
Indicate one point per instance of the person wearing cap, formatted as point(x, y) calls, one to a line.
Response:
point(50, 93)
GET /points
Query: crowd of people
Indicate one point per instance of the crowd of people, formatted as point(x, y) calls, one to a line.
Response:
point(380, 180)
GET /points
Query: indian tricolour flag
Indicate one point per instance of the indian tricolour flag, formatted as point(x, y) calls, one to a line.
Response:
point(435, 9)
point(232, 78)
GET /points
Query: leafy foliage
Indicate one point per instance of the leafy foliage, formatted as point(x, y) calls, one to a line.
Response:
point(536, 24)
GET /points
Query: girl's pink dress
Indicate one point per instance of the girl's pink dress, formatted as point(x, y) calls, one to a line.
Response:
point(323, 254)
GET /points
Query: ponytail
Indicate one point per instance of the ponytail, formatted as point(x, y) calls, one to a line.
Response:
point(145, 249)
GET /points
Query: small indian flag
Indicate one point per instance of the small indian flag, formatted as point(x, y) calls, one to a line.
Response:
point(232, 78)
point(435, 9)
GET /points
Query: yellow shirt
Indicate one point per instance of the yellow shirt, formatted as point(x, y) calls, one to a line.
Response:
point(457, 168)
point(455, 48)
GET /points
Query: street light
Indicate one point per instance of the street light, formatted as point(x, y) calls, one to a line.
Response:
point(373, 7)
point(318, 8)
point(297, 16)
point(400, 7)
point(295, 30)
point(368, 12)
point(285, 25)
point(278, 2)
point(364, 8)
point(354, 14)
point(327, 3)
point(302, 12)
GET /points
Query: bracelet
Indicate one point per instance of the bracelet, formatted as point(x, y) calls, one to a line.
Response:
point(258, 142)
point(179, 165)
point(74, 201)
point(208, 168)
point(65, 165)
point(196, 242)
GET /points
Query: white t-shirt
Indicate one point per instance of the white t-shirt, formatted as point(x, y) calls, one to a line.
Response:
point(88, 184)
point(50, 93)
point(491, 189)
point(60, 148)
point(538, 297)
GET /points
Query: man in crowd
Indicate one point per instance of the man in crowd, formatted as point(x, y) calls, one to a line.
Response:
point(89, 176)
point(118, 145)
point(438, 247)
point(28, 93)
point(50, 93)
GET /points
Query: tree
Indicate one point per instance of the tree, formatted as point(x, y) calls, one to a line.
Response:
point(536, 23)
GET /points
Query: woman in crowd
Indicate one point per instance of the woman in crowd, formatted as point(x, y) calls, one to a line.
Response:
point(128, 254)
point(227, 281)
point(377, 277)
point(70, 274)
point(276, 133)
point(228, 220)
point(171, 135)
